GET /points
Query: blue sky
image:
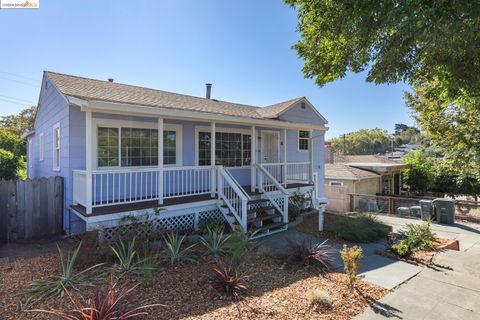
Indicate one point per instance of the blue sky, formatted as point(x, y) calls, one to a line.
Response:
point(242, 47)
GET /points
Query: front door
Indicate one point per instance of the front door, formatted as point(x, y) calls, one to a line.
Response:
point(270, 152)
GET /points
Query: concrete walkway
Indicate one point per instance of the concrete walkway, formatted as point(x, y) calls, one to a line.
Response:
point(376, 269)
point(448, 292)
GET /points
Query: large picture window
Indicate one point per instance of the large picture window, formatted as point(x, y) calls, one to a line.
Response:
point(135, 147)
point(231, 149)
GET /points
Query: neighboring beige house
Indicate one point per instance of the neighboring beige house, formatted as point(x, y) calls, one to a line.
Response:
point(364, 174)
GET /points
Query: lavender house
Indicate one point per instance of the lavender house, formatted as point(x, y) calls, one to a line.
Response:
point(126, 151)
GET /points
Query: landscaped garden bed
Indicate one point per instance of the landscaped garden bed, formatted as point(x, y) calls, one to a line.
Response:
point(269, 287)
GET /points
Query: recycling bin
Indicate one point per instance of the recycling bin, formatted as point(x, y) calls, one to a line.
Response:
point(444, 210)
point(416, 211)
point(427, 209)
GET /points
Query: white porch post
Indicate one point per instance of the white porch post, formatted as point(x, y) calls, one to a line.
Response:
point(253, 160)
point(310, 155)
point(160, 160)
point(284, 157)
point(212, 159)
point(88, 160)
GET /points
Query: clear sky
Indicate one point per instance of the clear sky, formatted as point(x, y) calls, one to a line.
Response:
point(242, 47)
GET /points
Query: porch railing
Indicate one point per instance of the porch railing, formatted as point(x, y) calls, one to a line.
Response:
point(272, 190)
point(289, 172)
point(232, 195)
point(120, 186)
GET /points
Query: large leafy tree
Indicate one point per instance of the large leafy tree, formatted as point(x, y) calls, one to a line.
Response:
point(19, 123)
point(395, 40)
point(364, 141)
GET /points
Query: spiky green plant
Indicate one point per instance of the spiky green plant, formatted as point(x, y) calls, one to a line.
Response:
point(129, 261)
point(215, 241)
point(240, 243)
point(69, 279)
point(174, 252)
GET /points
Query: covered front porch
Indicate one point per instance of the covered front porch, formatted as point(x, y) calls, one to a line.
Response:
point(130, 165)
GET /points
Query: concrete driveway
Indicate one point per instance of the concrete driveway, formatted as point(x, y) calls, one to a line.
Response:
point(451, 291)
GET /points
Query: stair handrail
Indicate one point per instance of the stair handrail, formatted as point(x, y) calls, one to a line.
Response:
point(277, 184)
point(239, 186)
point(242, 195)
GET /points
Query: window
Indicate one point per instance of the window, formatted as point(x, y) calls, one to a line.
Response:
point(303, 140)
point(336, 183)
point(107, 147)
point(231, 149)
point(139, 147)
point(56, 147)
point(41, 146)
point(136, 147)
point(30, 157)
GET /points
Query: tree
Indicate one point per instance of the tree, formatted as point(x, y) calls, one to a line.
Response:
point(365, 141)
point(420, 173)
point(9, 165)
point(395, 40)
point(18, 124)
point(9, 141)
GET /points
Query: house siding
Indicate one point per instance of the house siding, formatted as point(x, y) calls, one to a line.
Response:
point(52, 110)
point(299, 115)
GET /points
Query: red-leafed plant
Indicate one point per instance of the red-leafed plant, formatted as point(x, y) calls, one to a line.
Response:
point(228, 280)
point(305, 253)
point(108, 304)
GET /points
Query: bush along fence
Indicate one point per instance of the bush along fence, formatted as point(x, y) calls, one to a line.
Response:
point(30, 208)
point(467, 210)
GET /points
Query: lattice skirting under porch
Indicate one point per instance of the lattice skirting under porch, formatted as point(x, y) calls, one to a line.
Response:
point(148, 227)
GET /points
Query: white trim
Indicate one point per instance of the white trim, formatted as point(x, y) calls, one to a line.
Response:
point(30, 154)
point(54, 128)
point(277, 133)
point(41, 147)
point(138, 110)
point(199, 129)
point(118, 124)
point(308, 140)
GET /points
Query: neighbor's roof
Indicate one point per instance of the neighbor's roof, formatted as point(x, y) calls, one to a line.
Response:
point(98, 90)
point(343, 171)
point(361, 159)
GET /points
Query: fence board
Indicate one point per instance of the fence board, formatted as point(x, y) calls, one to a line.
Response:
point(31, 208)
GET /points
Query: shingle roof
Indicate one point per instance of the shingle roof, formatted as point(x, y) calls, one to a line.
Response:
point(339, 170)
point(91, 89)
point(361, 159)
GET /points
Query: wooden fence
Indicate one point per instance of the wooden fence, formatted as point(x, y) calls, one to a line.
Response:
point(31, 208)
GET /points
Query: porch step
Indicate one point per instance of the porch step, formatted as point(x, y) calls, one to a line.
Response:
point(261, 209)
point(265, 217)
point(256, 201)
point(270, 226)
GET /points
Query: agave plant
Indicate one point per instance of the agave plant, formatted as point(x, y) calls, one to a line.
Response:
point(215, 241)
point(69, 279)
point(108, 304)
point(228, 280)
point(319, 254)
point(174, 252)
point(129, 261)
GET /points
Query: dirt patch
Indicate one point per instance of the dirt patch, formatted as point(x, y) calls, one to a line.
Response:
point(275, 291)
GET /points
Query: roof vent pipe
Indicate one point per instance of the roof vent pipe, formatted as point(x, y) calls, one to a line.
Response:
point(209, 90)
point(110, 79)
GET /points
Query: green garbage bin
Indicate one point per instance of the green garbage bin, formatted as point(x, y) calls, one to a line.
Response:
point(444, 210)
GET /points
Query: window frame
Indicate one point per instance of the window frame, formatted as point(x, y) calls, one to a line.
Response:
point(55, 147)
point(335, 183)
point(118, 124)
point(41, 146)
point(207, 129)
point(308, 141)
point(30, 153)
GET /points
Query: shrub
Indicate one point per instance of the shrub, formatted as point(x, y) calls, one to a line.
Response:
point(359, 228)
point(175, 252)
point(227, 280)
point(59, 284)
point(416, 237)
point(108, 304)
point(351, 261)
point(209, 224)
point(240, 243)
point(215, 241)
point(9, 165)
point(320, 298)
point(129, 261)
point(318, 254)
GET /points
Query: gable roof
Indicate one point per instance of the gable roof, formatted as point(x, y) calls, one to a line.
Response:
point(98, 90)
point(343, 171)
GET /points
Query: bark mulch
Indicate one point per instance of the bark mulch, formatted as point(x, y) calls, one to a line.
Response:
point(275, 291)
